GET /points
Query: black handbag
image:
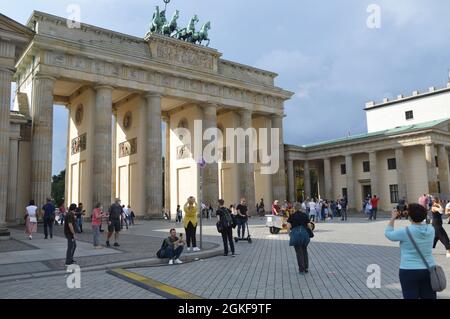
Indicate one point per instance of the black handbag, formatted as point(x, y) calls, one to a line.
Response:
point(310, 232)
point(219, 226)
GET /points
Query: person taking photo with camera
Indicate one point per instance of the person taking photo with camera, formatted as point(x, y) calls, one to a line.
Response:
point(414, 274)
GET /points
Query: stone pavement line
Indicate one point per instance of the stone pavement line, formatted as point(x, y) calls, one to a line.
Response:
point(152, 285)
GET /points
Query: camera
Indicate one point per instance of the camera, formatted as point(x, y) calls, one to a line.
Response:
point(401, 211)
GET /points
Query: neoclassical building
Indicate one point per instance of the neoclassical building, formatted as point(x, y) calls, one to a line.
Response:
point(404, 155)
point(118, 89)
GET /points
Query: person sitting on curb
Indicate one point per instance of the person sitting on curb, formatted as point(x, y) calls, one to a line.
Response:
point(171, 248)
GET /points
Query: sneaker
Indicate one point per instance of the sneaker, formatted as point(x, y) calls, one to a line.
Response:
point(107, 244)
point(195, 249)
point(45, 237)
point(177, 261)
point(233, 255)
point(225, 254)
point(189, 249)
point(30, 237)
point(171, 262)
point(116, 245)
point(51, 236)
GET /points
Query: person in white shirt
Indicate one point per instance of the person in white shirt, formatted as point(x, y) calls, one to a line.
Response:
point(312, 211)
point(31, 219)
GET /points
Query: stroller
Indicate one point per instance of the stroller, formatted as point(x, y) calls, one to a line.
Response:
point(248, 238)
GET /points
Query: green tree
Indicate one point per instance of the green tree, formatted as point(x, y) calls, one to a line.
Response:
point(58, 187)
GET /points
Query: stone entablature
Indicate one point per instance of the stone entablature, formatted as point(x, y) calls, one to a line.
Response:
point(167, 66)
point(368, 145)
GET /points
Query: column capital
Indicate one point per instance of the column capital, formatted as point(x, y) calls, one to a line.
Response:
point(153, 95)
point(103, 87)
point(6, 70)
point(44, 77)
point(244, 111)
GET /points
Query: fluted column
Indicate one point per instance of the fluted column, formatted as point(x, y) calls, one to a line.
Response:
point(42, 139)
point(154, 157)
point(279, 178)
point(211, 170)
point(103, 146)
point(5, 95)
point(401, 179)
point(350, 182)
point(430, 155)
point(291, 180)
point(247, 173)
point(443, 171)
point(306, 179)
point(327, 176)
point(114, 156)
point(374, 179)
point(12, 213)
point(167, 166)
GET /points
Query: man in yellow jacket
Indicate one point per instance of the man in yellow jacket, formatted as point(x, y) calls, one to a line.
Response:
point(190, 223)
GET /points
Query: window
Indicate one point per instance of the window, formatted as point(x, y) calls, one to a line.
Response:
point(392, 164)
point(343, 169)
point(409, 115)
point(393, 190)
point(366, 166)
point(436, 161)
point(439, 187)
point(344, 192)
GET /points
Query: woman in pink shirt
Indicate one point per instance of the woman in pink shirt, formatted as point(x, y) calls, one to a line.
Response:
point(97, 215)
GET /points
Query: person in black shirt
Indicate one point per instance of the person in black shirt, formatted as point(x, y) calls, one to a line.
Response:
point(79, 212)
point(224, 216)
point(115, 213)
point(69, 232)
point(298, 223)
point(440, 233)
point(49, 218)
point(241, 217)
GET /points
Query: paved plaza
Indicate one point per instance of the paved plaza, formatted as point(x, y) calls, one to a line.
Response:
point(339, 256)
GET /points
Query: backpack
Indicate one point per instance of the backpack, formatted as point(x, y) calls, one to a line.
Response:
point(227, 218)
point(160, 252)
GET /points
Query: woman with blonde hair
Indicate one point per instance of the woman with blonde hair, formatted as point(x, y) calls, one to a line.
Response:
point(190, 223)
point(31, 219)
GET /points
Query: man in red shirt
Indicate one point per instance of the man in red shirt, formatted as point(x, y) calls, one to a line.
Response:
point(374, 203)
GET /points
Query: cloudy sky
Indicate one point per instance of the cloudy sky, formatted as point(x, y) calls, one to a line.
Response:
point(323, 51)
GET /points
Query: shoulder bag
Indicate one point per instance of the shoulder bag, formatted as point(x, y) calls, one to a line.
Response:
point(437, 275)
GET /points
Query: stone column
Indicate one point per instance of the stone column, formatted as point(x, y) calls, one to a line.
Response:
point(154, 167)
point(114, 156)
point(374, 178)
point(12, 213)
point(350, 182)
point(430, 155)
point(279, 179)
point(291, 180)
point(42, 139)
point(167, 166)
point(444, 171)
point(306, 179)
point(401, 180)
point(5, 96)
point(103, 146)
point(247, 172)
point(211, 170)
point(328, 178)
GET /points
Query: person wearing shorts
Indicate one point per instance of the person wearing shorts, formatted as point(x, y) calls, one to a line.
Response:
point(114, 226)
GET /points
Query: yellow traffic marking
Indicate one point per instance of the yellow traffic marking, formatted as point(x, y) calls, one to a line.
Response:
point(152, 285)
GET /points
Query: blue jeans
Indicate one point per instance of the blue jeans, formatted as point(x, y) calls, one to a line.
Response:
point(96, 233)
point(79, 224)
point(241, 223)
point(416, 284)
point(171, 253)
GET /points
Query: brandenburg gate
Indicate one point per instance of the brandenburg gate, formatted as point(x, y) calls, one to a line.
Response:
point(118, 90)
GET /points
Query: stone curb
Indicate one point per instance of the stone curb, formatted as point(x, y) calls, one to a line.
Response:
point(138, 263)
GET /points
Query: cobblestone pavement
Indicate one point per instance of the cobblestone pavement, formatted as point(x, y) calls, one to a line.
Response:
point(339, 256)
